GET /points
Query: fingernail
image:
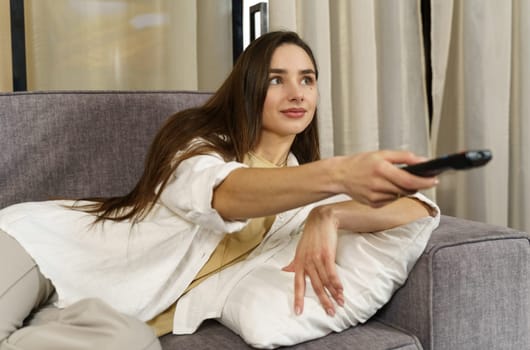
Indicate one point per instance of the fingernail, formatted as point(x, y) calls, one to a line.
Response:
point(297, 310)
point(330, 312)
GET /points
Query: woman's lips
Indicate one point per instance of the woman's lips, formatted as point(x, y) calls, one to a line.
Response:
point(294, 112)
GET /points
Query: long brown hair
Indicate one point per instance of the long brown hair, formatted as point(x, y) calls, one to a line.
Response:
point(229, 124)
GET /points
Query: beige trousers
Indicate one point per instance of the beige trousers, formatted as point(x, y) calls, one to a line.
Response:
point(29, 321)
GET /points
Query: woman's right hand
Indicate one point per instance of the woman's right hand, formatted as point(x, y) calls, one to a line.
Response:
point(374, 179)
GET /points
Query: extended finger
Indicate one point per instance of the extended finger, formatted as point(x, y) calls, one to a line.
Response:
point(299, 290)
point(320, 291)
point(329, 279)
point(333, 283)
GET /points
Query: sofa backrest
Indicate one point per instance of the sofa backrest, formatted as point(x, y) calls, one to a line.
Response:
point(79, 144)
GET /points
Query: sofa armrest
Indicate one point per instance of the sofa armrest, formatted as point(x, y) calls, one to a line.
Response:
point(469, 290)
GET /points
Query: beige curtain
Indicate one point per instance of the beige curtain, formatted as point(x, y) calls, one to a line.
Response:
point(137, 45)
point(481, 85)
point(371, 59)
point(310, 20)
point(6, 80)
point(372, 76)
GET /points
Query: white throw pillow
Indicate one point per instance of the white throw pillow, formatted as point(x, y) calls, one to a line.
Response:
point(371, 267)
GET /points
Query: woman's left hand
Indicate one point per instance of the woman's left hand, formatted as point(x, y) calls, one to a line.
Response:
point(315, 257)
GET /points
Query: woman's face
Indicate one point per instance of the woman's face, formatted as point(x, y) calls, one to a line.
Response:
point(292, 95)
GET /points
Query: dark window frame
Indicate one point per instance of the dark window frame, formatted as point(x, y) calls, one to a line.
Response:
point(426, 28)
point(237, 29)
point(18, 45)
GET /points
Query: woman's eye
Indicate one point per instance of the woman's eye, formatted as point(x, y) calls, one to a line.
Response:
point(275, 81)
point(307, 81)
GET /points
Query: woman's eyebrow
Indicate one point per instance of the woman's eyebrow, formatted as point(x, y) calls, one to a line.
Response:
point(308, 71)
point(284, 71)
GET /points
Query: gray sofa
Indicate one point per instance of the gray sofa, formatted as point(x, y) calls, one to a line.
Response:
point(469, 290)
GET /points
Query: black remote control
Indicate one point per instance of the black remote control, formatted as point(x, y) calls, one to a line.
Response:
point(457, 161)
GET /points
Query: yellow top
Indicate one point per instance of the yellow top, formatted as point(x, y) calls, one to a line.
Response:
point(233, 248)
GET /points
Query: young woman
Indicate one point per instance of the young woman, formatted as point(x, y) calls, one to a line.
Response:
point(215, 180)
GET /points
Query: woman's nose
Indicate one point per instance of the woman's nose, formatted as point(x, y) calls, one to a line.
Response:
point(296, 92)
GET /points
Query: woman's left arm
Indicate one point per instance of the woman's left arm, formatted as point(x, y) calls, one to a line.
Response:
point(316, 250)
point(357, 217)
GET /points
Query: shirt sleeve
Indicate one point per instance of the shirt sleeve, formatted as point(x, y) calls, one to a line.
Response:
point(189, 192)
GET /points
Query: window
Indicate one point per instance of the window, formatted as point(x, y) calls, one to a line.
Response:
point(250, 20)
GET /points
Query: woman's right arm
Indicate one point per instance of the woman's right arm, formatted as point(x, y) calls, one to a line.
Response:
point(371, 178)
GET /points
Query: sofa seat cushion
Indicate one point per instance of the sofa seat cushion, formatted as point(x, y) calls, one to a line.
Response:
point(372, 335)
